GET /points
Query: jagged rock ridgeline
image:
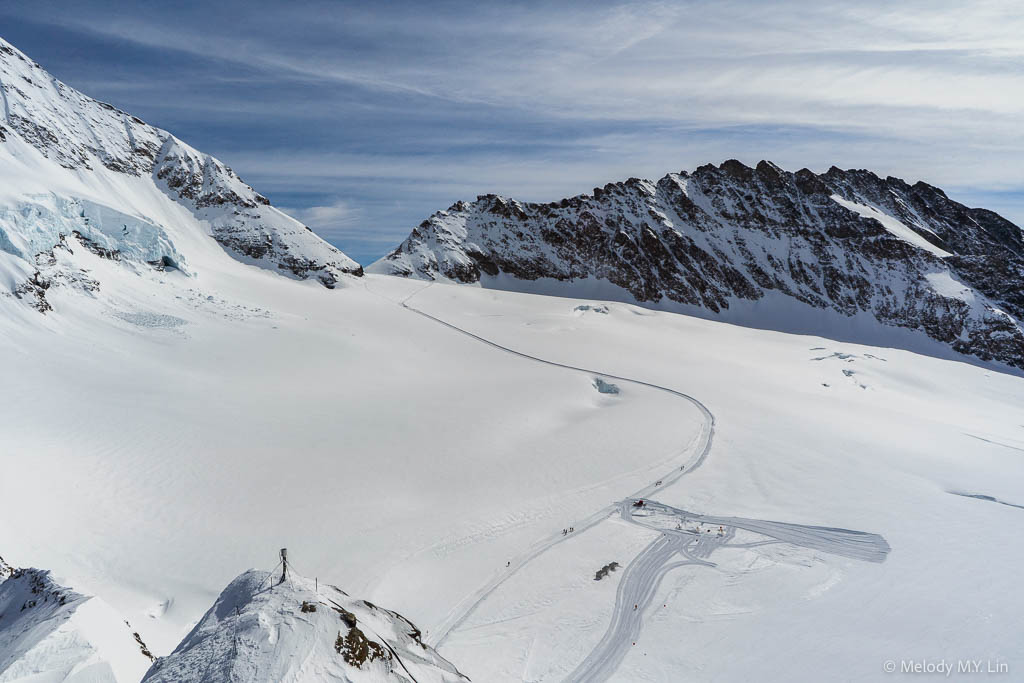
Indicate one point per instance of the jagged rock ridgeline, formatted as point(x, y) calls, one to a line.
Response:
point(46, 124)
point(846, 242)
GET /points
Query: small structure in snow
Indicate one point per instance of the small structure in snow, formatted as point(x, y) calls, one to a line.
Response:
point(605, 387)
point(603, 571)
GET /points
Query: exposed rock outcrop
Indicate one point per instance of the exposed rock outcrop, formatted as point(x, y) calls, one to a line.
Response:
point(262, 629)
point(43, 118)
point(848, 242)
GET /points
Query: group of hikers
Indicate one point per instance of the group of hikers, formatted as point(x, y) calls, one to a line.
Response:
point(568, 531)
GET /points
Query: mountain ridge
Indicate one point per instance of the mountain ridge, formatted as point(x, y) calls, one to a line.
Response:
point(266, 628)
point(731, 236)
point(58, 145)
point(51, 632)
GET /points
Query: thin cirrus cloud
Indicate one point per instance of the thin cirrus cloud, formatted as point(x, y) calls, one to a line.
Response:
point(338, 222)
point(364, 119)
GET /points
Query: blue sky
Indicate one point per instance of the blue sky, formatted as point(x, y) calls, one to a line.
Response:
point(364, 118)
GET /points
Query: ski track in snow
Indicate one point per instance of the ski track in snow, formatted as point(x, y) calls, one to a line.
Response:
point(987, 498)
point(994, 443)
point(694, 459)
point(857, 545)
point(644, 574)
point(638, 585)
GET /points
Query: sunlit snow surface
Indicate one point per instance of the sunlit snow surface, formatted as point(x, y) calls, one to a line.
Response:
point(408, 463)
point(893, 225)
point(50, 633)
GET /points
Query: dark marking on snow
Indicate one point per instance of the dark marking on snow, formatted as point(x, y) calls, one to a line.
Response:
point(982, 496)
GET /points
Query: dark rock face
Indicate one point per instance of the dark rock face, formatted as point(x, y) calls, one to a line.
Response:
point(102, 252)
point(242, 220)
point(33, 290)
point(357, 649)
point(843, 241)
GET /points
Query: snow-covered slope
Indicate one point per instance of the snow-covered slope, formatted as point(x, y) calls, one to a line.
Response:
point(51, 634)
point(814, 441)
point(844, 254)
point(78, 173)
point(153, 447)
point(265, 630)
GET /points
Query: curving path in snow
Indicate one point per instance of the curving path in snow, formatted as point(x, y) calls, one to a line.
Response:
point(689, 535)
point(694, 537)
point(636, 590)
point(694, 453)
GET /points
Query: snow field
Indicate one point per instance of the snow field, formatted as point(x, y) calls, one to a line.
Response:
point(877, 451)
point(392, 457)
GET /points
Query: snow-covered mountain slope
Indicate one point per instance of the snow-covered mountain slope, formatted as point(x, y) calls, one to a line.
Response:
point(50, 633)
point(76, 173)
point(153, 444)
point(845, 254)
point(265, 630)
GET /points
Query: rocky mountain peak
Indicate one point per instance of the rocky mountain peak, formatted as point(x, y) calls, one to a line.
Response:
point(264, 628)
point(59, 146)
point(753, 245)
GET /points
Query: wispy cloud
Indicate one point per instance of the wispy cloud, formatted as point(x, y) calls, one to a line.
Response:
point(366, 118)
point(335, 221)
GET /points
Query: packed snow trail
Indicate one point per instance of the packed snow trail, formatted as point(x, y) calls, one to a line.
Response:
point(695, 452)
point(645, 572)
point(636, 590)
point(643, 575)
point(857, 545)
